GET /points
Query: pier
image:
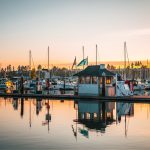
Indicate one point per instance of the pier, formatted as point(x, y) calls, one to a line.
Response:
point(130, 99)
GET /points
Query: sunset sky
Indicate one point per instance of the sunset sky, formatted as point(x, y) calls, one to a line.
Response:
point(67, 25)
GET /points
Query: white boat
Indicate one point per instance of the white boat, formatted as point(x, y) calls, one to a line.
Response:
point(61, 85)
point(122, 89)
point(147, 85)
point(27, 85)
point(138, 86)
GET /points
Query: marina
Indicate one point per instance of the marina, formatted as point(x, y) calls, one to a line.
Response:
point(74, 75)
point(93, 83)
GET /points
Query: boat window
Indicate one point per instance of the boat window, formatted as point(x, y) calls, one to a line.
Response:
point(88, 80)
point(95, 115)
point(108, 80)
point(88, 115)
point(94, 80)
point(100, 80)
point(81, 80)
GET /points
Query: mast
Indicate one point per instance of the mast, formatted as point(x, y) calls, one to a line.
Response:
point(29, 59)
point(29, 63)
point(96, 54)
point(48, 57)
point(83, 55)
point(125, 60)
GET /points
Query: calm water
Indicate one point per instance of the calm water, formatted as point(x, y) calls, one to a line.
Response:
point(55, 124)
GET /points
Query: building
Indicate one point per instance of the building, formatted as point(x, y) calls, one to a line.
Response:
point(96, 80)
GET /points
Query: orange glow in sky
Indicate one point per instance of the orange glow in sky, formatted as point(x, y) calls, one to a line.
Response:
point(68, 25)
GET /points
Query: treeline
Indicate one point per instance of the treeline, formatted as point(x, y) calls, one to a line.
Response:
point(137, 64)
point(10, 71)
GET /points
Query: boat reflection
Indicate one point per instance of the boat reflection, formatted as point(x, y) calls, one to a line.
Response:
point(94, 115)
point(38, 105)
point(15, 103)
point(97, 116)
point(22, 108)
point(90, 116)
point(47, 116)
point(125, 110)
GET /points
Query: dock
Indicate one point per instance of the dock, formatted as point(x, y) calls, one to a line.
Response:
point(130, 99)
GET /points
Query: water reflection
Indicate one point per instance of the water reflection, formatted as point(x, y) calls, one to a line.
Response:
point(74, 121)
point(124, 110)
point(47, 115)
point(22, 108)
point(15, 103)
point(38, 105)
point(94, 115)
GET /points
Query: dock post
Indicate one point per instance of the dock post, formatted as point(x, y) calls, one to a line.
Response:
point(47, 85)
point(21, 85)
point(36, 85)
point(64, 84)
point(103, 86)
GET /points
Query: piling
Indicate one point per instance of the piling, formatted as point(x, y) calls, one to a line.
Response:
point(103, 86)
point(64, 84)
point(21, 85)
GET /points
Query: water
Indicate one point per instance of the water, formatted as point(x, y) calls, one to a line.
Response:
point(61, 124)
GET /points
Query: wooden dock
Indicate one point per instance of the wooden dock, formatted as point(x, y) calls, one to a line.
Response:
point(131, 99)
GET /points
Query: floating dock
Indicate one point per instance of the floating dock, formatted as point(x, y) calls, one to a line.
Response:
point(132, 99)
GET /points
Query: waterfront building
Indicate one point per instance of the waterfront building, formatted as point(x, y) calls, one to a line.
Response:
point(96, 80)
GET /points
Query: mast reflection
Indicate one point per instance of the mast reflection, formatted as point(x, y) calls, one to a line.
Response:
point(38, 105)
point(47, 116)
point(15, 103)
point(22, 107)
point(125, 110)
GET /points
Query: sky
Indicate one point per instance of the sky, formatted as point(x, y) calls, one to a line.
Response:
point(66, 25)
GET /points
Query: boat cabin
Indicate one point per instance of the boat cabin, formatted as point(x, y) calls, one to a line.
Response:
point(93, 79)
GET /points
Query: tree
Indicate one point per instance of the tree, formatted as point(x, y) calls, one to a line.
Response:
point(39, 70)
point(108, 66)
point(13, 68)
point(132, 65)
point(39, 67)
